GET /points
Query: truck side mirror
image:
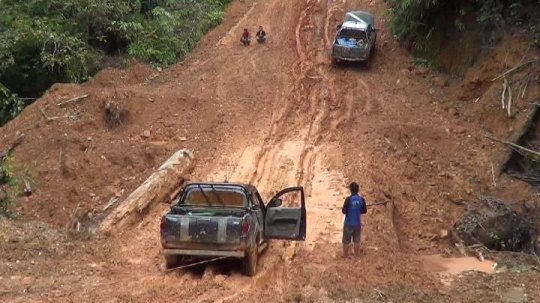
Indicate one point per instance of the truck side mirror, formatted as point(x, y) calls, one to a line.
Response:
point(275, 203)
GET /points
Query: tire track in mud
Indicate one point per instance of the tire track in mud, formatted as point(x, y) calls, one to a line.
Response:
point(325, 110)
point(319, 100)
point(305, 171)
point(234, 29)
point(284, 156)
point(269, 149)
point(307, 65)
point(314, 88)
point(268, 167)
point(291, 149)
point(284, 151)
point(298, 72)
point(371, 104)
point(277, 131)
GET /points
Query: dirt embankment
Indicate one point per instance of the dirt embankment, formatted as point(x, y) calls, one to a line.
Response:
point(275, 115)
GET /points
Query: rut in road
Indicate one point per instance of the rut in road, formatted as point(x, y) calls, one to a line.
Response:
point(310, 100)
point(293, 151)
point(295, 145)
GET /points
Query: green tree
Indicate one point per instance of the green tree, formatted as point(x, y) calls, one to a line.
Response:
point(48, 41)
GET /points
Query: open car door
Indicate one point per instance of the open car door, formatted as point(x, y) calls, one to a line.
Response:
point(286, 222)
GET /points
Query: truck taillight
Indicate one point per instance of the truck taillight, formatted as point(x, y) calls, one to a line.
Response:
point(162, 224)
point(245, 227)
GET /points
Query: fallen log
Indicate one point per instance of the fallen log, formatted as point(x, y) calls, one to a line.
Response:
point(157, 188)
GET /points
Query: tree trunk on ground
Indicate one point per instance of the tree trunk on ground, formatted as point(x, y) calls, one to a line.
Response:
point(157, 188)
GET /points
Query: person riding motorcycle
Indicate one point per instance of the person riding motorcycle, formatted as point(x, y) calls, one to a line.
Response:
point(261, 35)
point(246, 38)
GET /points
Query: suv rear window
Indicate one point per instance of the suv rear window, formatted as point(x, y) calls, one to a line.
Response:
point(352, 34)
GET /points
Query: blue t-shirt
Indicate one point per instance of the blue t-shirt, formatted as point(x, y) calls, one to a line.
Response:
point(354, 206)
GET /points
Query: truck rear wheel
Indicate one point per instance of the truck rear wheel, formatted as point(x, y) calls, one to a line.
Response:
point(367, 63)
point(249, 263)
point(172, 261)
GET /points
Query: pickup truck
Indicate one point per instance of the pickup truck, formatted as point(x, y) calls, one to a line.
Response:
point(355, 38)
point(229, 220)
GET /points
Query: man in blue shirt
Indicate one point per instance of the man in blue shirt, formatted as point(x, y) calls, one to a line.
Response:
point(353, 207)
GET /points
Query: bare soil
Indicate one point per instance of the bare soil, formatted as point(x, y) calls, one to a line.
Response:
point(275, 115)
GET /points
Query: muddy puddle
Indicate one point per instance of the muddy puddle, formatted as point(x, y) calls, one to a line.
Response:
point(449, 268)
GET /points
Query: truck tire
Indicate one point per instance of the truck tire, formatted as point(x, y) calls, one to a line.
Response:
point(171, 261)
point(368, 61)
point(249, 263)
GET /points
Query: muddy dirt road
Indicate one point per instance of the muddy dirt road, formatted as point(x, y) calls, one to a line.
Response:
point(294, 142)
point(279, 115)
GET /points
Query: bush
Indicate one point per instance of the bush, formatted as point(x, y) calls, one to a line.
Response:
point(9, 186)
point(15, 180)
point(10, 105)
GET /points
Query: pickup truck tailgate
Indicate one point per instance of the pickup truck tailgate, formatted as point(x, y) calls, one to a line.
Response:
point(183, 229)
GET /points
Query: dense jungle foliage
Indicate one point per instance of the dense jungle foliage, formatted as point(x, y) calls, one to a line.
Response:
point(417, 20)
point(43, 42)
